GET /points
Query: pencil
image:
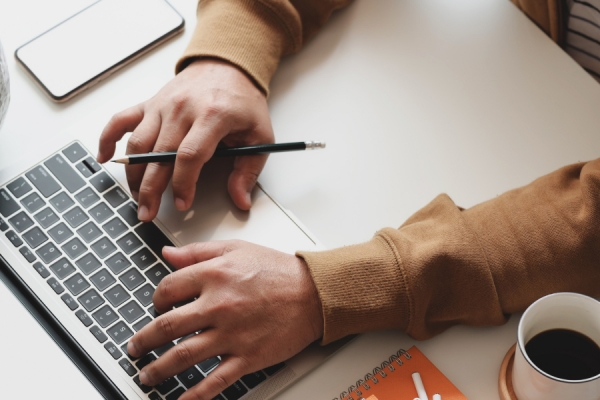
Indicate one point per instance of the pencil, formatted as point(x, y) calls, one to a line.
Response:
point(170, 156)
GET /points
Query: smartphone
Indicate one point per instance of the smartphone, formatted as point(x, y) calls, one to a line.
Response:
point(92, 44)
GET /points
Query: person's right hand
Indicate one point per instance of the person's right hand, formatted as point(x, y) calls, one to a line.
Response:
point(210, 101)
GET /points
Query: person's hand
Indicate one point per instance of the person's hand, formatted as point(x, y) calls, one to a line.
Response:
point(255, 307)
point(210, 101)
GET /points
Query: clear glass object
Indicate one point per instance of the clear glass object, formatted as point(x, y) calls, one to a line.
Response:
point(4, 86)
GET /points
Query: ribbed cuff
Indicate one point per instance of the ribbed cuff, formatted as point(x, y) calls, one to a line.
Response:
point(361, 287)
point(245, 33)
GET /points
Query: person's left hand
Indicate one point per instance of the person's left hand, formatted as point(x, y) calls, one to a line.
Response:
point(255, 307)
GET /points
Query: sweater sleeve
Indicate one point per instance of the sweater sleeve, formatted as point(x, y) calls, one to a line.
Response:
point(446, 266)
point(255, 34)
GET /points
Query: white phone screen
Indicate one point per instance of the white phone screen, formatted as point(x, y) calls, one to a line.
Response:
point(102, 36)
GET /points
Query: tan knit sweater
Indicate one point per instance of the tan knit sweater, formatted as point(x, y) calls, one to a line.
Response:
point(445, 265)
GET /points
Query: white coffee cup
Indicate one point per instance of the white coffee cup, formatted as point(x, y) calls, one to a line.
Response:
point(572, 311)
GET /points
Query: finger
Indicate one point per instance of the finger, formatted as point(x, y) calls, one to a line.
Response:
point(170, 326)
point(141, 141)
point(157, 175)
point(195, 150)
point(178, 286)
point(194, 253)
point(179, 358)
point(243, 179)
point(226, 374)
point(119, 125)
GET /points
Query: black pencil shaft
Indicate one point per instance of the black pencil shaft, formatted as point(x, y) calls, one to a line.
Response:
point(220, 152)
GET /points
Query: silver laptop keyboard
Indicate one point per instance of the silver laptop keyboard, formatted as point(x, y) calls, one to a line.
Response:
point(79, 230)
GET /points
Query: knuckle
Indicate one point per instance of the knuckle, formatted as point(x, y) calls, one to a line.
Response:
point(164, 289)
point(135, 144)
point(165, 325)
point(183, 353)
point(189, 154)
point(221, 381)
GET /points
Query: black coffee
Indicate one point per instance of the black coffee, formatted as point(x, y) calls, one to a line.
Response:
point(564, 354)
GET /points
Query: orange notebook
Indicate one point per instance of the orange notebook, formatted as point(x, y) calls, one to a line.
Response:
point(393, 380)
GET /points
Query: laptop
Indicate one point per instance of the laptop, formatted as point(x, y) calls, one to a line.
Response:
point(75, 255)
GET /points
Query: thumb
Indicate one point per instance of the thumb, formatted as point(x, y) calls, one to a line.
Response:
point(243, 178)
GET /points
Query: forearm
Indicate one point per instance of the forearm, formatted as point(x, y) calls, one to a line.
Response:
point(255, 34)
point(446, 266)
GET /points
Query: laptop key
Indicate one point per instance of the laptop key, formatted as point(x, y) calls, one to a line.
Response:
point(208, 365)
point(76, 284)
point(154, 238)
point(19, 187)
point(102, 182)
point(154, 396)
point(127, 367)
point(48, 253)
point(46, 218)
point(190, 377)
point(235, 391)
point(115, 227)
point(14, 238)
point(60, 233)
point(132, 279)
point(119, 332)
point(142, 323)
point(144, 388)
point(33, 202)
point(62, 268)
point(124, 350)
point(43, 181)
point(74, 248)
point(88, 263)
point(164, 348)
point(117, 263)
point(89, 232)
point(102, 279)
point(92, 164)
point(65, 173)
point(129, 243)
point(3, 225)
point(26, 252)
point(101, 213)
point(21, 222)
point(91, 300)
point(74, 152)
point(131, 311)
point(76, 217)
point(105, 316)
point(157, 273)
point(84, 170)
point(144, 294)
point(98, 334)
point(176, 394)
point(113, 350)
point(143, 258)
point(103, 248)
point(145, 360)
point(7, 205)
point(84, 318)
point(87, 197)
point(129, 213)
point(61, 202)
point(69, 301)
point(254, 379)
point(116, 197)
point(55, 285)
point(167, 385)
point(117, 295)
point(44, 273)
point(35, 237)
point(152, 311)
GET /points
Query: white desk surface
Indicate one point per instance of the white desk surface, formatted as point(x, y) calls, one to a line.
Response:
point(414, 98)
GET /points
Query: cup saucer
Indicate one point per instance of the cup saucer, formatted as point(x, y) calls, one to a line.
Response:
point(505, 388)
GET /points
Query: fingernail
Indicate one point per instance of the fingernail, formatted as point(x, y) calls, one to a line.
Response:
point(143, 213)
point(248, 198)
point(144, 378)
point(180, 204)
point(135, 194)
point(132, 349)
